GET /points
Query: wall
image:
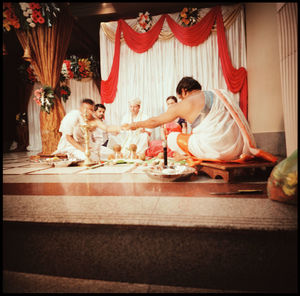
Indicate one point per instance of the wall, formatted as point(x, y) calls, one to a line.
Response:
point(265, 113)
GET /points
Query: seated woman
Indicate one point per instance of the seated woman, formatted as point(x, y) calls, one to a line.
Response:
point(177, 125)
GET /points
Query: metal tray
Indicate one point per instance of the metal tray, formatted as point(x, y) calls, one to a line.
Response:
point(160, 175)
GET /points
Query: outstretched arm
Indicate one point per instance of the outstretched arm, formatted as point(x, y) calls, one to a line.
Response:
point(109, 129)
point(153, 122)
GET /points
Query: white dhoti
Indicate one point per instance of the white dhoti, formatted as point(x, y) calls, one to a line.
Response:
point(72, 125)
point(126, 138)
point(222, 133)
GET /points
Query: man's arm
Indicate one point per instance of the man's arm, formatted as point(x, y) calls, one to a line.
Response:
point(72, 141)
point(109, 129)
point(153, 122)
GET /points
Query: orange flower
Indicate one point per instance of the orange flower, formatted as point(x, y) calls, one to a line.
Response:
point(183, 15)
point(6, 24)
point(186, 21)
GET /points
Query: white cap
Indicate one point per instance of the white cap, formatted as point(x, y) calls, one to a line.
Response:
point(135, 102)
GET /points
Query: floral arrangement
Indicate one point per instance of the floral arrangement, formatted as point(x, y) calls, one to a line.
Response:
point(9, 17)
point(144, 22)
point(24, 15)
point(27, 73)
point(188, 16)
point(66, 72)
point(44, 97)
point(79, 68)
point(65, 92)
point(21, 118)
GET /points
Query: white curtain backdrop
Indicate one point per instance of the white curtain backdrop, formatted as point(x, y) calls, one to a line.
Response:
point(33, 115)
point(153, 76)
point(79, 90)
point(84, 89)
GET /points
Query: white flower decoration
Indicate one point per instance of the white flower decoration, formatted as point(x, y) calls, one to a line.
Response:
point(24, 5)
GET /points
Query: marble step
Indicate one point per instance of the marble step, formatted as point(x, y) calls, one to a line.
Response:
point(20, 282)
point(195, 257)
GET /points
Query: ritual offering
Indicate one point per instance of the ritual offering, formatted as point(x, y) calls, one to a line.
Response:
point(170, 173)
point(132, 149)
point(117, 149)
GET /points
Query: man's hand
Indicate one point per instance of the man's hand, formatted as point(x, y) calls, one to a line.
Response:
point(127, 126)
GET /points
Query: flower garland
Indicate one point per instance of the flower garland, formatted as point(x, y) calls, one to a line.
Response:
point(65, 92)
point(24, 15)
point(144, 22)
point(188, 16)
point(44, 97)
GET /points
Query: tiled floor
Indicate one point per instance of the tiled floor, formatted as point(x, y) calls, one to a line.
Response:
point(125, 195)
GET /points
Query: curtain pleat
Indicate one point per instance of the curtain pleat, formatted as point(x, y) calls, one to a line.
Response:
point(288, 51)
point(236, 79)
point(196, 34)
point(152, 76)
point(48, 46)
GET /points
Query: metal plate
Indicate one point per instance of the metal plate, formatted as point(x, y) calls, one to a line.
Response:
point(154, 173)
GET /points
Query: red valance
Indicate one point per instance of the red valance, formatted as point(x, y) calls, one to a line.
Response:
point(236, 79)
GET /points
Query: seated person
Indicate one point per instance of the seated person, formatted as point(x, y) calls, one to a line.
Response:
point(139, 137)
point(100, 136)
point(72, 141)
point(220, 131)
point(178, 125)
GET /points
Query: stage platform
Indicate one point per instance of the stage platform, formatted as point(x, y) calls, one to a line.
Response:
point(118, 225)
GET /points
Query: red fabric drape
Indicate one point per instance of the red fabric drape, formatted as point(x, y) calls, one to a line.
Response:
point(198, 33)
point(141, 42)
point(236, 79)
point(108, 88)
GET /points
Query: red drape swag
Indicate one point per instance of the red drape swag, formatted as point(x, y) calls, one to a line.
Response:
point(236, 79)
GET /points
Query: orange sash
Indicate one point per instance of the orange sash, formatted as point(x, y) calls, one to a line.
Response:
point(182, 141)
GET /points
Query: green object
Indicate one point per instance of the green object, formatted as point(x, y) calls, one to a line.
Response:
point(283, 181)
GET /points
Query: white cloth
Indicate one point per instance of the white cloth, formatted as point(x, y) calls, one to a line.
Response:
point(126, 138)
point(100, 135)
point(217, 135)
point(153, 75)
point(72, 125)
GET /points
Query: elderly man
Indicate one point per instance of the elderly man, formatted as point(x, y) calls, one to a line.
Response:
point(139, 137)
point(72, 141)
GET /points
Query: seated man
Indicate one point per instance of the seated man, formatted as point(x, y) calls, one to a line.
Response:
point(139, 137)
point(100, 136)
point(220, 131)
point(72, 141)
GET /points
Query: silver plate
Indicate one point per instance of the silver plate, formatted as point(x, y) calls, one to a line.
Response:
point(157, 175)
